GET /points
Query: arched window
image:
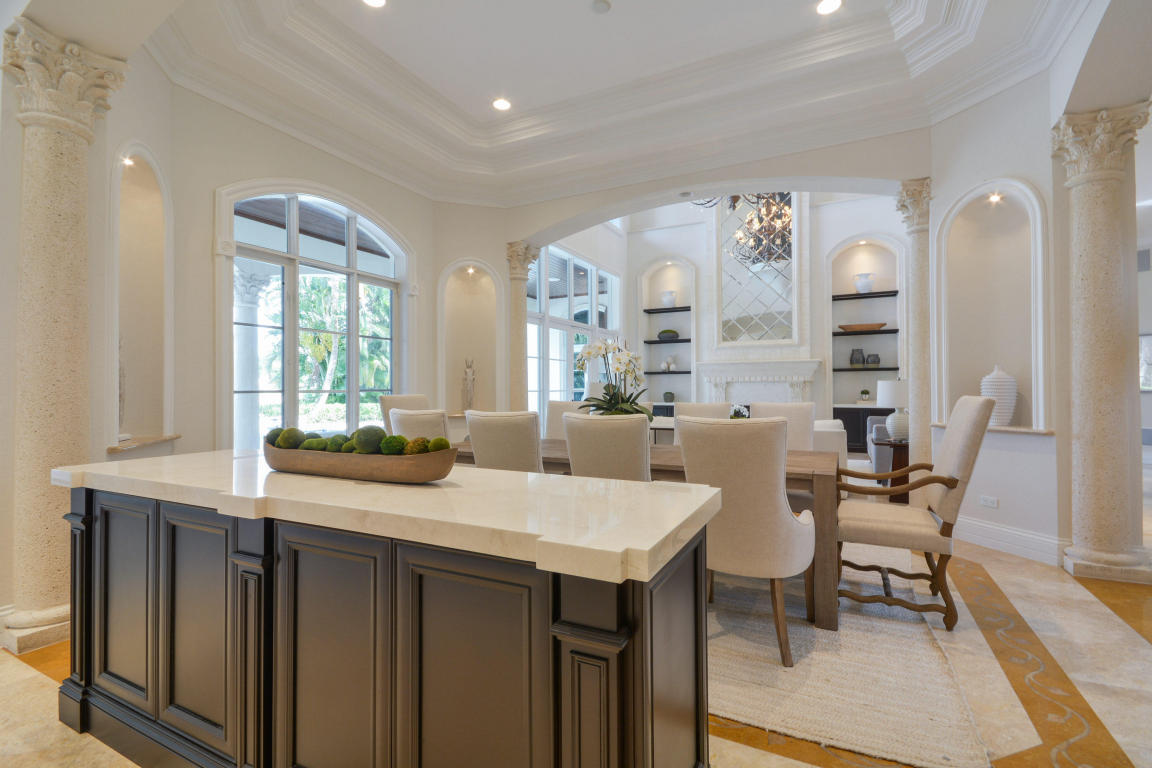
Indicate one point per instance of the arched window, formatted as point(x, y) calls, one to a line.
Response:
point(313, 319)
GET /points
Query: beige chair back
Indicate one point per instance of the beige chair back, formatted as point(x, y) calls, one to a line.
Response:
point(608, 446)
point(704, 410)
point(956, 455)
point(554, 423)
point(407, 402)
point(413, 424)
point(505, 440)
point(755, 533)
point(801, 420)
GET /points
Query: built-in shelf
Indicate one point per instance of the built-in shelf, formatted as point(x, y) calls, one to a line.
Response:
point(662, 310)
point(880, 332)
point(865, 370)
point(852, 296)
point(666, 373)
point(667, 341)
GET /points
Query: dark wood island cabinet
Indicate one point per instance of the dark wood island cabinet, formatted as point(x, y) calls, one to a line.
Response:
point(210, 639)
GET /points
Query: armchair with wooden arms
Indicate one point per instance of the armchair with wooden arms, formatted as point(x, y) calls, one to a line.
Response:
point(926, 529)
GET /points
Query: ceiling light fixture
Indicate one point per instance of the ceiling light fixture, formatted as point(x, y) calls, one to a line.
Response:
point(766, 235)
point(995, 197)
point(667, 263)
point(862, 242)
point(471, 270)
point(375, 3)
point(825, 7)
point(601, 6)
point(502, 104)
point(128, 161)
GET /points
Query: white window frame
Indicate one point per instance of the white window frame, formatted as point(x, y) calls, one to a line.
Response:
point(545, 321)
point(226, 249)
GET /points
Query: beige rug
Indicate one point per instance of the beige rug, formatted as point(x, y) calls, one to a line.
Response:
point(880, 686)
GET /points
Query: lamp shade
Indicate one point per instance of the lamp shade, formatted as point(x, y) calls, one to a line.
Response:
point(892, 393)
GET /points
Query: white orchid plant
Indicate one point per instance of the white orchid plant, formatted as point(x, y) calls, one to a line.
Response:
point(621, 372)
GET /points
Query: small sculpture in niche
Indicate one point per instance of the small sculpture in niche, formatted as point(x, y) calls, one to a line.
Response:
point(469, 390)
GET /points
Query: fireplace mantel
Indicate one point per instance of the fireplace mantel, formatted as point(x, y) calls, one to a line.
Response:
point(773, 375)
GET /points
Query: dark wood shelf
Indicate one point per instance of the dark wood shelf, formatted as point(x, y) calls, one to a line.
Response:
point(865, 370)
point(666, 373)
point(662, 310)
point(667, 341)
point(852, 296)
point(880, 332)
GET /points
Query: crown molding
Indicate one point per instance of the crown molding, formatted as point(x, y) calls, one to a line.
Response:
point(956, 30)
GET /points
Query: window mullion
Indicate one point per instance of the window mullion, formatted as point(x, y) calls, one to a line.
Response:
point(352, 355)
point(291, 370)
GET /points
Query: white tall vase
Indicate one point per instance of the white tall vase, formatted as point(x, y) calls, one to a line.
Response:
point(1002, 387)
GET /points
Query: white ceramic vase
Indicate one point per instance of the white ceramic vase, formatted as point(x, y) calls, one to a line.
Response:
point(1001, 387)
point(668, 298)
point(863, 282)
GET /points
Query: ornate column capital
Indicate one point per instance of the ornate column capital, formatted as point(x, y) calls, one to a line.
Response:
point(913, 203)
point(1091, 144)
point(62, 84)
point(521, 256)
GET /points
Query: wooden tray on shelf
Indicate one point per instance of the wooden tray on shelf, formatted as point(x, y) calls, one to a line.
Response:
point(417, 468)
point(863, 326)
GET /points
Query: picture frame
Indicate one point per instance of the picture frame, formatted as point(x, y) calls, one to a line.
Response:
point(1146, 362)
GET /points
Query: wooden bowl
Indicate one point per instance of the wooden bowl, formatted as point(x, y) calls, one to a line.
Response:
point(863, 327)
point(417, 468)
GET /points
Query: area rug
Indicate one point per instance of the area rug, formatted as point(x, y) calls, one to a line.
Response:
point(880, 686)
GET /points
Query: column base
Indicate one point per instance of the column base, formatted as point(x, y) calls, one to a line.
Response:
point(1089, 564)
point(26, 639)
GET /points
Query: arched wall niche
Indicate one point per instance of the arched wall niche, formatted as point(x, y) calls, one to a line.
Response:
point(992, 287)
point(472, 316)
point(140, 284)
point(653, 278)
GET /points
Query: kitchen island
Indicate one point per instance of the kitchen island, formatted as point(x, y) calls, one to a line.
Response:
point(227, 615)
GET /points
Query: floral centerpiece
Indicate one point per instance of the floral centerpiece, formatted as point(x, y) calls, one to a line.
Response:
point(621, 372)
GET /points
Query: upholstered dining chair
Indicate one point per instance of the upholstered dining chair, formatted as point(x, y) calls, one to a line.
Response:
point(755, 533)
point(413, 424)
point(505, 439)
point(407, 402)
point(554, 422)
point(704, 410)
point(926, 529)
point(801, 425)
point(615, 447)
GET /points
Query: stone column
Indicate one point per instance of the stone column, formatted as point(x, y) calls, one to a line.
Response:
point(1096, 151)
point(521, 256)
point(913, 204)
point(62, 89)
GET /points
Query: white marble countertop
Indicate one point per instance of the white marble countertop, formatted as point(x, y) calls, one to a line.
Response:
point(611, 530)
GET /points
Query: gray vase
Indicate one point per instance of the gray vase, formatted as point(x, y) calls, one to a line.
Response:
point(857, 358)
point(669, 397)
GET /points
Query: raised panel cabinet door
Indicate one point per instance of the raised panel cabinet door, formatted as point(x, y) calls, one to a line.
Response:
point(197, 587)
point(473, 661)
point(124, 662)
point(333, 649)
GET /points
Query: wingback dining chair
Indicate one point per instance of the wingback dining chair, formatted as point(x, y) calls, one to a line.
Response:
point(407, 402)
point(554, 423)
point(755, 533)
point(505, 439)
point(705, 410)
point(615, 447)
point(926, 529)
point(413, 424)
point(801, 430)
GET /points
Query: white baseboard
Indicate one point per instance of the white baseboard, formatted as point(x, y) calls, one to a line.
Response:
point(1015, 541)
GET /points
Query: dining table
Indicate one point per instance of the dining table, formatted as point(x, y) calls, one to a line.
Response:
point(805, 471)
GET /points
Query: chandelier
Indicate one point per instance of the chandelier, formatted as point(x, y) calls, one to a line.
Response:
point(765, 237)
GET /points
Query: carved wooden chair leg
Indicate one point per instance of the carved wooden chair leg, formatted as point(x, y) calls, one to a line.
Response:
point(711, 579)
point(777, 588)
point(810, 592)
point(932, 570)
point(940, 580)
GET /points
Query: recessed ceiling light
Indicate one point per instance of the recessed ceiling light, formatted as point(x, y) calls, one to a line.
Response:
point(601, 6)
point(825, 7)
point(502, 104)
point(471, 270)
point(375, 3)
point(862, 242)
point(995, 197)
point(667, 263)
point(128, 161)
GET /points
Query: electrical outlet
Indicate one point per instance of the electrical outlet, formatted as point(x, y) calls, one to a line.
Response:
point(990, 501)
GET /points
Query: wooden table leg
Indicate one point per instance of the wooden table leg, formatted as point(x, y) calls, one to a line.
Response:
point(825, 577)
point(899, 461)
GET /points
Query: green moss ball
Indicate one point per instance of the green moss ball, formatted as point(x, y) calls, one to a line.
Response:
point(368, 439)
point(336, 442)
point(393, 445)
point(438, 444)
point(314, 444)
point(273, 435)
point(348, 447)
point(419, 445)
point(290, 438)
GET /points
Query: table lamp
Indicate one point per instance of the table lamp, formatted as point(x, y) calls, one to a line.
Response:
point(893, 393)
